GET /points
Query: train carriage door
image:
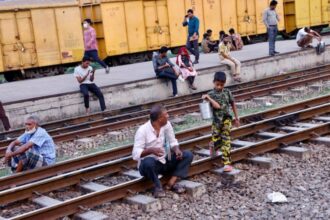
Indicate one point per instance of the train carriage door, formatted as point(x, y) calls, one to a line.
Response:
point(17, 40)
point(228, 15)
point(246, 16)
point(156, 21)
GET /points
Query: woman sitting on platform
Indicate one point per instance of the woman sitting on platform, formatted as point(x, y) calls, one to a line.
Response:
point(186, 67)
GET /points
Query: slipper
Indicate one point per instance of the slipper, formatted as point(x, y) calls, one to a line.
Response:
point(176, 188)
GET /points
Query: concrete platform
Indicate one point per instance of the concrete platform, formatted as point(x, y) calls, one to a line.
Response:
point(58, 97)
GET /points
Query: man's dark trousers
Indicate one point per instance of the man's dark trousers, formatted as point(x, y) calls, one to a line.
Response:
point(84, 88)
point(193, 47)
point(151, 168)
point(168, 73)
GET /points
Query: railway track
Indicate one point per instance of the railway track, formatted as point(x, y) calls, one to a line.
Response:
point(121, 152)
point(282, 128)
point(71, 129)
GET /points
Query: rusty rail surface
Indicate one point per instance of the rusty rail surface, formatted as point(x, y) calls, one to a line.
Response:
point(119, 152)
point(92, 128)
point(119, 191)
point(75, 177)
point(87, 121)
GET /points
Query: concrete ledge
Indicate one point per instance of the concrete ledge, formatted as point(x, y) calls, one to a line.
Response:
point(298, 152)
point(59, 106)
point(91, 215)
point(194, 189)
point(46, 201)
point(262, 162)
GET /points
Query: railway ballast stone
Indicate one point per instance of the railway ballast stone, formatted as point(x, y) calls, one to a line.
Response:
point(178, 121)
point(226, 177)
point(146, 203)
point(85, 143)
point(194, 189)
point(91, 215)
point(116, 135)
point(195, 115)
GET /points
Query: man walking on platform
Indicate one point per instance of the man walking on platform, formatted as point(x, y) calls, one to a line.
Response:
point(271, 19)
point(193, 34)
point(91, 44)
point(85, 76)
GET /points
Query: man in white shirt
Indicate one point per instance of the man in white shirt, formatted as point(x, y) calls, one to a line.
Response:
point(157, 151)
point(84, 74)
point(305, 37)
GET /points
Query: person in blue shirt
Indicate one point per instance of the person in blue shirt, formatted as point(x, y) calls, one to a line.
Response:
point(35, 148)
point(193, 34)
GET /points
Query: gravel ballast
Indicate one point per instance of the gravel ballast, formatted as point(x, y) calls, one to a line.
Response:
point(305, 183)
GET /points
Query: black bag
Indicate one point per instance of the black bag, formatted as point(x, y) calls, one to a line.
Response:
point(320, 48)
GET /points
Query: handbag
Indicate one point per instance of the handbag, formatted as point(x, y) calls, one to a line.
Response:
point(320, 48)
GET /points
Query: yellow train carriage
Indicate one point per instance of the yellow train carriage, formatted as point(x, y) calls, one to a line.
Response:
point(39, 33)
point(305, 13)
point(132, 26)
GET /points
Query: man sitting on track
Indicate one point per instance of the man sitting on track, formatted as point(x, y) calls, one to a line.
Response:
point(35, 148)
point(157, 151)
point(305, 37)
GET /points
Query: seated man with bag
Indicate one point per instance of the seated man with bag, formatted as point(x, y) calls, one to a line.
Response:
point(165, 69)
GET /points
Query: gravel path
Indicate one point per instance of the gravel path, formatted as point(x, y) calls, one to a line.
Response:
point(305, 183)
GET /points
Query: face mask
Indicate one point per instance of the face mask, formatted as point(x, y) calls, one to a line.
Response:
point(31, 131)
point(85, 25)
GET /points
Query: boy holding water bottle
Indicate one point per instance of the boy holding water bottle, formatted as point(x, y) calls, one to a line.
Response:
point(221, 99)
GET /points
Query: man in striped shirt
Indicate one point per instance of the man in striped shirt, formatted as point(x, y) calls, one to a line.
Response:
point(35, 148)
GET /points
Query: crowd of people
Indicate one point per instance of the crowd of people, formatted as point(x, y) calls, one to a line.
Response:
point(155, 148)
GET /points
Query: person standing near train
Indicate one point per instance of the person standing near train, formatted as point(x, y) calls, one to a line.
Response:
point(271, 19)
point(90, 43)
point(192, 22)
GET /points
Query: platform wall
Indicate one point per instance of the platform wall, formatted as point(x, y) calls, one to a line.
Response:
point(123, 95)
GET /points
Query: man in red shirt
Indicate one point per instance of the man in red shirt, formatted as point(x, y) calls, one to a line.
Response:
point(91, 44)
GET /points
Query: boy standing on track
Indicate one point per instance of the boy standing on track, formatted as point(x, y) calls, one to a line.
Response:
point(85, 76)
point(90, 43)
point(221, 99)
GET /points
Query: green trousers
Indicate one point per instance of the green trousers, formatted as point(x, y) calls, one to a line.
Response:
point(221, 139)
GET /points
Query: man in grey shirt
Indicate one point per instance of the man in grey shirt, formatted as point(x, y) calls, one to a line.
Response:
point(271, 19)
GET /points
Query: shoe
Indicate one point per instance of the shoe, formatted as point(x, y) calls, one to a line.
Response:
point(159, 193)
point(196, 62)
point(192, 87)
point(272, 54)
point(276, 52)
point(309, 46)
point(228, 168)
point(173, 96)
point(181, 78)
point(107, 70)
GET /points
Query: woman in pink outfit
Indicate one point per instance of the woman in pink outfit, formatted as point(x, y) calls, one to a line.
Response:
point(186, 67)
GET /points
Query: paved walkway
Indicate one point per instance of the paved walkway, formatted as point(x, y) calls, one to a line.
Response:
point(33, 88)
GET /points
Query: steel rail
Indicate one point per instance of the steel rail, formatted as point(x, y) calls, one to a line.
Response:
point(118, 152)
point(75, 177)
point(67, 125)
point(119, 191)
point(97, 127)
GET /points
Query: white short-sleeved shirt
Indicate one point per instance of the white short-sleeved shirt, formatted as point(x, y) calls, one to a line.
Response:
point(79, 71)
point(301, 33)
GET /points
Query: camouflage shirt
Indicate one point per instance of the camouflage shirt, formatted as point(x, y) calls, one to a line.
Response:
point(224, 98)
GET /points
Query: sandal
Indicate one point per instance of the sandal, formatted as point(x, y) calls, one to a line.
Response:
point(176, 188)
